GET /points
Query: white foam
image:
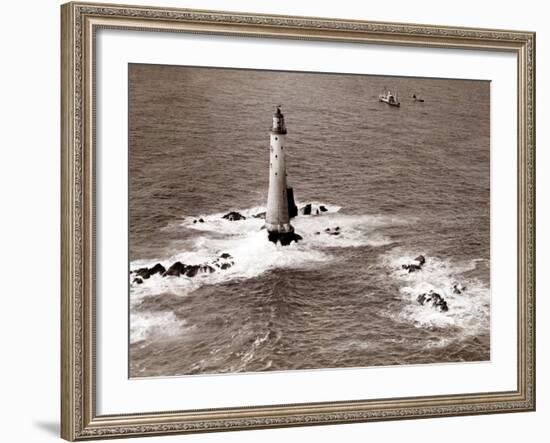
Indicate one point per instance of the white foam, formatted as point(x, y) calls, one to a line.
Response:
point(468, 311)
point(145, 324)
point(253, 254)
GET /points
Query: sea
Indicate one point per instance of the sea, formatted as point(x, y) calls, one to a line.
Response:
point(396, 182)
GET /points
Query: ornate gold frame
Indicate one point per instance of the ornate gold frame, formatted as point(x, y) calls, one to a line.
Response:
point(79, 420)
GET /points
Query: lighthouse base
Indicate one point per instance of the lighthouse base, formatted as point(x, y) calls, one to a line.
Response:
point(285, 238)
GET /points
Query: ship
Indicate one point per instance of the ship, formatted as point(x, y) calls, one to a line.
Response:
point(389, 98)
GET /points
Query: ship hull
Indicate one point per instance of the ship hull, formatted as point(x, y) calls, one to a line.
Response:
point(397, 105)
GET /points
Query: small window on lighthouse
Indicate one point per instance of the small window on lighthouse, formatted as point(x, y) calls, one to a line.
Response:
point(276, 138)
point(275, 155)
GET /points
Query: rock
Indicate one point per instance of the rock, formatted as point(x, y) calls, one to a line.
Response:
point(192, 270)
point(201, 220)
point(323, 208)
point(157, 269)
point(259, 215)
point(195, 221)
point(411, 268)
point(285, 238)
point(317, 233)
point(207, 269)
point(434, 299)
point(306, 210)
point(225, 266)
point(176, 270)
point(225, 255)
point(234, 216)
point(327, 229)
point(138, 281)
point(145, 273)
point(458, 288)
point(421, 260)
point(337, 228)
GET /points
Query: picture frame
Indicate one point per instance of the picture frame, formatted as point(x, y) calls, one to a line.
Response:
point(80, 24)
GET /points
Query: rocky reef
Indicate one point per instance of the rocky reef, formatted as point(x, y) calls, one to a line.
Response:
point(178, 269)
point(458, 288)
point(234, 216)
point(434, 300)
point(311, 209)
point(416, 266)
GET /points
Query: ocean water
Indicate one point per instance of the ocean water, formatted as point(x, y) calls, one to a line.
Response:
point(397, 182)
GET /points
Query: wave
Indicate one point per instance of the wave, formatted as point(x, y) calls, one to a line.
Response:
point(144, 324)
point(469, 311)
point(253, 254)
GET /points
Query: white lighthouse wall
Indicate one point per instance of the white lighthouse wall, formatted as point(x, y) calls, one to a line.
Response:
point(277, 218)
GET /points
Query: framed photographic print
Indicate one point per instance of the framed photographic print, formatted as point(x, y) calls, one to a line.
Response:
point(282, 221)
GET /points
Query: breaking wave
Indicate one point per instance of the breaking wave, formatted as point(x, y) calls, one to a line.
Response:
point(144, 324)
point(253, 254)
point(468, 311)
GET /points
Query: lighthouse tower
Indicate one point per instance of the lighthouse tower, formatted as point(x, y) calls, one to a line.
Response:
point(279, 206)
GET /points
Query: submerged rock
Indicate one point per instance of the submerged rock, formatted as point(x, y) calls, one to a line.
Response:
point(322, 208)
point(259, 215)
point(414, 267)
point(138, 281)
point(223, 261)
point(458, 288)
point(411, 268)
point(421, 260)
point(433, 299)
point(234, 216)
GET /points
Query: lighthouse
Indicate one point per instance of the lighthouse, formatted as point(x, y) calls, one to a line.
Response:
point(280, 198)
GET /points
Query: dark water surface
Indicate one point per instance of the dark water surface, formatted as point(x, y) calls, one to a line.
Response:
point(398, 182)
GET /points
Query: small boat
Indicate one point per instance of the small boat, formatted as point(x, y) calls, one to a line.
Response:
point(416, 99)
point(389, 98)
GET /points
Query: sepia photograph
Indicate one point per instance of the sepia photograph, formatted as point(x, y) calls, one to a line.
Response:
point(283, 221)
